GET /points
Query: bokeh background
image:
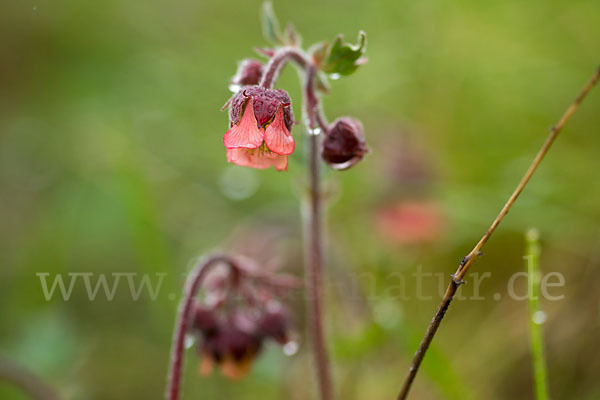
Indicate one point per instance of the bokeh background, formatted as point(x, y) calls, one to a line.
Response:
point(111, 161)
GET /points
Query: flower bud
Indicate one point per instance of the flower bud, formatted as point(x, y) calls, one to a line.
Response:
point(344, 144)
point(249, 72)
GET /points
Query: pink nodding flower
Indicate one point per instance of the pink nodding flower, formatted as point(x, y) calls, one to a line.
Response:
point(260, 124)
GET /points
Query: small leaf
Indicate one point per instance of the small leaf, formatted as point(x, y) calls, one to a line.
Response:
point(292, 37)
point(270, 24)
point(345, 58)
point(319, 52)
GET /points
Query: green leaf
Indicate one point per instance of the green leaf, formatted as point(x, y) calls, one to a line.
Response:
point(344, 58)
point(270, 24)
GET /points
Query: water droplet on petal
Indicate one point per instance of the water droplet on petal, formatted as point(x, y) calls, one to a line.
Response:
point(539, 317)
point(290, 348)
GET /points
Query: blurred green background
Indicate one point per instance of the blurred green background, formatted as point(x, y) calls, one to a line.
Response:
point(111, 161)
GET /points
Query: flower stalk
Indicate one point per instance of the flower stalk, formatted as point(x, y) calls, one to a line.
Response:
point(313, 224)
point(184, 315)
point(314, 243)
point(279, 60)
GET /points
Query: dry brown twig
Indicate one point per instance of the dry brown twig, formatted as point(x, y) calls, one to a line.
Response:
point(469, 259)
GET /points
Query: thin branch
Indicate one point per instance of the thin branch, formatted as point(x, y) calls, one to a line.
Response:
point(469, 259)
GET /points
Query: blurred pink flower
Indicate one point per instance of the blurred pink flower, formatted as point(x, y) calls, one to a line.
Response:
point(410, 222)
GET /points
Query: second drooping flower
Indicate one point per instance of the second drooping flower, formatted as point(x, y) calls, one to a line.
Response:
point(260, 123)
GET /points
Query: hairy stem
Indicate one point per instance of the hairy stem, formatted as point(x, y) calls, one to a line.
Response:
point(192, 286)
point(274, 67)
point(313, 229)
point(278, 61)
point(469, 259)
point(314, 243)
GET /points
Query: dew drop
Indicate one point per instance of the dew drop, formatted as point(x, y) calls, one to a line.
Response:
point(314, 132)
point(335, 76)
point(234, 87)
point(189, 341)
point(539, 317)
point(290, 348)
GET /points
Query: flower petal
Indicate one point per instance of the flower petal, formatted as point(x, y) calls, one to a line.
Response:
point(233, 155)
point(245, 133)
point(255, 158)
point(281, 163)
point(277, 137)
point(206, 365)
point(236, 369)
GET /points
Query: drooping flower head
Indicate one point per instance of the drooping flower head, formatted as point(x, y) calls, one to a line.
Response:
point(232, 340)
point(260, 123)
point(238, 312)
point(344, 144)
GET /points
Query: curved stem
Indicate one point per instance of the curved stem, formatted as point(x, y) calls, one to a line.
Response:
point(312, 105)
point(278, 61)
point(192, 285)
point(322, 121)
point(469, 259)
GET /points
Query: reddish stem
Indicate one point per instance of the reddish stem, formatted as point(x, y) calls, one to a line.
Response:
point(314, 243)
point(313, 225)
point(192, 286)
point(278, 61)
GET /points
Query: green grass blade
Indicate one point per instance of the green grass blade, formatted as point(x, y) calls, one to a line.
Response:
point(536, 315)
